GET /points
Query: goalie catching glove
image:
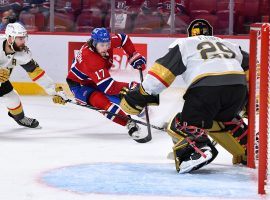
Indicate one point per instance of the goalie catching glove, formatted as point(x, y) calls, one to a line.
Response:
point(4, 75)
point(60, 96)
point(133, 101)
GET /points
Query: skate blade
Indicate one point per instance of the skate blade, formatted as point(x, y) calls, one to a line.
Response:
point(189, 167)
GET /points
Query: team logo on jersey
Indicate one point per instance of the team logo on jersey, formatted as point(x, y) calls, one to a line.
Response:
point(26, 49)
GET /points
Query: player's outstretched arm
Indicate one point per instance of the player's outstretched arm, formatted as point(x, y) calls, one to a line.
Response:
point(135, 59)
point(40, 77)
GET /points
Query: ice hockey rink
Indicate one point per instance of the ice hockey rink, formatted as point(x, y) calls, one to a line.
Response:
point(78, 154)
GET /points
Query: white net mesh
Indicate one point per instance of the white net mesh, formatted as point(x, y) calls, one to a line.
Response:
point(268, 120)
point(261, 96)
point(258, 63)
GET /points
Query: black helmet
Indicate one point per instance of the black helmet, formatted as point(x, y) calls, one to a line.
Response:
point(200, 27)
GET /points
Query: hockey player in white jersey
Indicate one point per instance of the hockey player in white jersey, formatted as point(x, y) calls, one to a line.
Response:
point(14, 53)
point(213, 69)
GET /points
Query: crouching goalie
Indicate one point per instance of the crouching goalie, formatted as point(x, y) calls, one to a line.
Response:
point(214, 70)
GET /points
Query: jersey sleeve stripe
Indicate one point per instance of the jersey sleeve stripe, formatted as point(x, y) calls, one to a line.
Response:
point(38, 76)
point(104, 80)
point(164, 75)
point(153, 84)
point(157, 77)
point(79, 74)
point(105, 84)
point(123, 37)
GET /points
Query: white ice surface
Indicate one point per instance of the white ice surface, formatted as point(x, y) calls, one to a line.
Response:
point(72, 135)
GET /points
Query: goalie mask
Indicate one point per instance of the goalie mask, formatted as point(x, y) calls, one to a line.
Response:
point(200, 27)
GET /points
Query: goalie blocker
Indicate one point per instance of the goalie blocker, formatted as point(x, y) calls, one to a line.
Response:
point(136, 100)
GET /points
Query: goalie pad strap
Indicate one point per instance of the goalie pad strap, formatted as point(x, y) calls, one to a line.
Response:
point(234, 142)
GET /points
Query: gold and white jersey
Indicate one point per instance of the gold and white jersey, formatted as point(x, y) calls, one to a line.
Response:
point(208, 56)
point(202, 61)
point(25, 60)
point(9, 61)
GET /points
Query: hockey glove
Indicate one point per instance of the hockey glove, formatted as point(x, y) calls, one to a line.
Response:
point(60, 96)
point(132, 85)
point(133, 101)
point(4, 75)
point(137, 61)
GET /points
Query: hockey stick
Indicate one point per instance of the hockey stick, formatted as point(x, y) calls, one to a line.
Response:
point(149, 136)
point(129, 118)
point(117, 115)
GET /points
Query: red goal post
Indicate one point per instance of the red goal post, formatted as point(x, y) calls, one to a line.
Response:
point(258, 111)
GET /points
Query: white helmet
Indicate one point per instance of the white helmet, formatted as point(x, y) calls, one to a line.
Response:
point(15, 30)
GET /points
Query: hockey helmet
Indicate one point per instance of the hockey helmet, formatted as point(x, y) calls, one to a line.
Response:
point(100, 35)
point(15, 30)
point(200, 27)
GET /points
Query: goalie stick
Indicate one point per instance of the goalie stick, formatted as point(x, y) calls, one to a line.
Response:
point(149, 136)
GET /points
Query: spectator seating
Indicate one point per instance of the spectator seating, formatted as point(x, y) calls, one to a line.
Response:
point(140, 16)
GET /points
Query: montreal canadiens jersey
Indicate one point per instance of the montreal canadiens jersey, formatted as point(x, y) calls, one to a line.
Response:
point(22, 58)
point(89, 68)
point(202, 61)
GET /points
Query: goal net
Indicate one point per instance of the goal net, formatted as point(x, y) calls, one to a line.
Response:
point(258, 112)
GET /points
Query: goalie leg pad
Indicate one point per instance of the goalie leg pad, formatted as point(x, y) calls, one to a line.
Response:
point(232, 136)
point(185, 156)
point(175, 133)
point(187, 159)
point(177, 130)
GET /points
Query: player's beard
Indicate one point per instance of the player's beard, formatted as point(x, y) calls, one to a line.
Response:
point(18, 48)
point(104, 54)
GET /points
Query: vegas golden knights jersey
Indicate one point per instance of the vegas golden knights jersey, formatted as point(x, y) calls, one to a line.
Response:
point(202, 61)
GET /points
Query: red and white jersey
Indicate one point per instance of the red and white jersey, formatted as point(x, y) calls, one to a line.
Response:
point(89, 68)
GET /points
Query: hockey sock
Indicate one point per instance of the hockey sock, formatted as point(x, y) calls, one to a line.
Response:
point(99, 100)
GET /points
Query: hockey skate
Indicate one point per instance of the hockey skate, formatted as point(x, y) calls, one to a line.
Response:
point(138, 133)
point(195, 160)
point(26, 121)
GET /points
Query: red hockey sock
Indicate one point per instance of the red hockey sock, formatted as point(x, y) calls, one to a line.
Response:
point(99, 100)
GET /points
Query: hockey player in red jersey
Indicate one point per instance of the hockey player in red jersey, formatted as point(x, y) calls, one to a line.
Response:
point(90, 81)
